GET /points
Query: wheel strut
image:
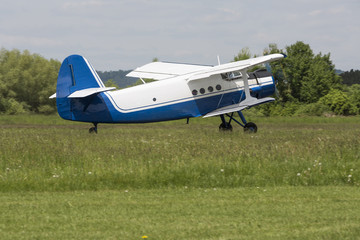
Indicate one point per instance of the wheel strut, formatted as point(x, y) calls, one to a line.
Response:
point(93, 129)
point(225, 126)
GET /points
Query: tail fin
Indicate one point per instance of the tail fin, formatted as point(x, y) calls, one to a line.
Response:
point(77, 80)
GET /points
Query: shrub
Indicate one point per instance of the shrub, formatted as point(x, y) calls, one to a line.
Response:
point(13, 107)
point(339, 102)
point(46, 109)
point(313, 109)
point(278, 108)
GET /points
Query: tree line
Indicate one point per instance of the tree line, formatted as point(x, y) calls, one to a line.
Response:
point(351, 77)
point(307, 83)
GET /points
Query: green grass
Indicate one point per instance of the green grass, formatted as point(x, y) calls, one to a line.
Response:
point(183, 213)
point(56, 155)
point(297, 178)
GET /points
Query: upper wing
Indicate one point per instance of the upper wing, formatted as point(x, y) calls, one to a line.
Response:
point(235, 66)
point(164, 70)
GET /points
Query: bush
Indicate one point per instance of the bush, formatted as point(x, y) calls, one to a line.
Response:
point(313, 109)
point(13, 107)
point(354, 94)
point(46, 109)
point(339, 102)
point(279, 108)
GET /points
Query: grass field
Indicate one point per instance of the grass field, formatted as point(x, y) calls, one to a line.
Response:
point(296, 178)
point(237, 213)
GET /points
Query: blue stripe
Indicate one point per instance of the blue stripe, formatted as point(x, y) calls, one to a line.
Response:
point(169, 112)
point(214, 94)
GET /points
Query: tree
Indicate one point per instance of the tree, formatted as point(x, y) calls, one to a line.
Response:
point(111, 83)
point(306, 77)
point(296, 67)
point(351, 77)
point(321, 78)
point(243, 54)
point(26, 82)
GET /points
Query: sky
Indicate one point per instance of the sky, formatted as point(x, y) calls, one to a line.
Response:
point(125, 34)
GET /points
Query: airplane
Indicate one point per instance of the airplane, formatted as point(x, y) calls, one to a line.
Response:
point(182, 91)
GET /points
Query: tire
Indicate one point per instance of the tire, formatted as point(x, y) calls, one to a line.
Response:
point(250, 127)
point(225, 127)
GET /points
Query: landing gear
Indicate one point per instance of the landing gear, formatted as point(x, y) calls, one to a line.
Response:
point(249, 127)
point(225, 127)
point(93, 129)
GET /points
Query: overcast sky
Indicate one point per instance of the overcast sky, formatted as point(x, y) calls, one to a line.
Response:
point(125, 34)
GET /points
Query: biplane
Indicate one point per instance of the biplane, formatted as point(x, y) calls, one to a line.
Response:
point(181, 91)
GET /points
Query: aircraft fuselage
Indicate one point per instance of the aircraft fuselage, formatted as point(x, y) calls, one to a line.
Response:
point(169, 99)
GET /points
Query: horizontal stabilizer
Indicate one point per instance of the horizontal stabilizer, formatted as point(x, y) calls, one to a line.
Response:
point(247, 103)
point(89, 91)
point(86, 92)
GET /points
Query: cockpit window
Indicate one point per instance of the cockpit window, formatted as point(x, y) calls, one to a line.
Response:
point(231, 76)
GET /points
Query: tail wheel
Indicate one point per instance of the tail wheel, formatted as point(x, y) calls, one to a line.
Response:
point(92, 130)
point(225, 127)
point(250, 127)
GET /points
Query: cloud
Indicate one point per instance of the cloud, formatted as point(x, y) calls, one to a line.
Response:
point(83, 4)
point(128, 33)
point(20, 40)
point(316, 13)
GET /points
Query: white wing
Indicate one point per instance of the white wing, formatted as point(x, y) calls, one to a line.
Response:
point(235, 66)
point(247, 103)
point(164, 70)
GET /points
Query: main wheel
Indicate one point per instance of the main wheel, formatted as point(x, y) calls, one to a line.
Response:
point(92, 130)
point(225, 127)
point(250, 127)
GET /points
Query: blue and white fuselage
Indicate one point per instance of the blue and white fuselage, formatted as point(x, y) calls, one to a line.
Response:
point(182, 91)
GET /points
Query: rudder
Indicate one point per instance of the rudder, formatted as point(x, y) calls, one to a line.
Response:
point(75, 74)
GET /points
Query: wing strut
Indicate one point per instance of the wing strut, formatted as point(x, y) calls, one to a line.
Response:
point(246, 86)
point(248, 102)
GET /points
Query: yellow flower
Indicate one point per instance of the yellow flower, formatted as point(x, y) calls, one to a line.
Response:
point(144, 236)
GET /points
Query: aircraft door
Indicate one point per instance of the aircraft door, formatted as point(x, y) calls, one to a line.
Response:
point(228, 89)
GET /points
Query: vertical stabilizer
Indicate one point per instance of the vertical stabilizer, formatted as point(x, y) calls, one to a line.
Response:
point(75, 74)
